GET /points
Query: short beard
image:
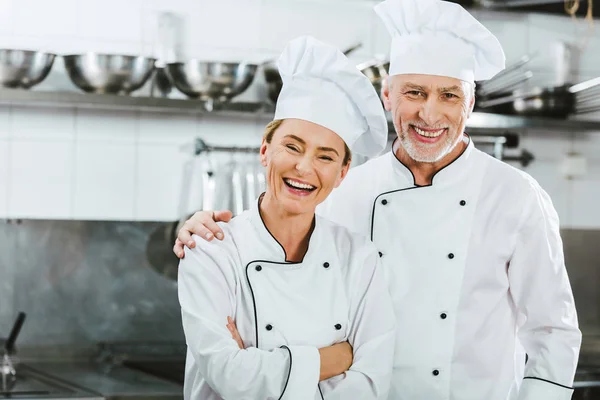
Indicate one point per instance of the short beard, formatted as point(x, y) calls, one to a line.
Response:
point(423, 153)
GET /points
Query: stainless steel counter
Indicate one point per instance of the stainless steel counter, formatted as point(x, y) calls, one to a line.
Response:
point(111, 382)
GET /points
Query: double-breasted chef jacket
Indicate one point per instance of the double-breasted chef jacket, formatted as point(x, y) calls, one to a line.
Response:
point(477, 278)
point(285, 312)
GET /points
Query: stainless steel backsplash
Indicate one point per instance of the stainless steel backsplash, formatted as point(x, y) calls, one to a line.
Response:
point(83, 282)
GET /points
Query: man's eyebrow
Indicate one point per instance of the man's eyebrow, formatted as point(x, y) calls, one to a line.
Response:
point(454, 88)
point(413, 86)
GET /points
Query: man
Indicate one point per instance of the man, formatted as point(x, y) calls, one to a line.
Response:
point(471, 245)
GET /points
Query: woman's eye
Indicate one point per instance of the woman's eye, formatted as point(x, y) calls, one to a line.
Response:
point(291, 147)
point(326, 158)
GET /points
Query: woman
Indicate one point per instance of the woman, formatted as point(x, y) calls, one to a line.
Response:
point(297, 286)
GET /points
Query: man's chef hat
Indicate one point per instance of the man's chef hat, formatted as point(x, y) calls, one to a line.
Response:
point(436, 37)
point(322, 86)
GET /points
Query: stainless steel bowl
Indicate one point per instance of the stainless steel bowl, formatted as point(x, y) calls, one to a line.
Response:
point(376, 71)
point(107, 73)
point(211, 81)
point(24, 68)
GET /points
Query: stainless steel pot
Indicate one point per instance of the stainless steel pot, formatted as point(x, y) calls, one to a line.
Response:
point(23, 68)
point(108, 73)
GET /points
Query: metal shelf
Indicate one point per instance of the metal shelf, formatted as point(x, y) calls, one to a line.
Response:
point(478, 120)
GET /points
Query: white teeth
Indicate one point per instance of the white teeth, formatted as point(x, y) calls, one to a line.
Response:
point(299, 185)
point(431, 134)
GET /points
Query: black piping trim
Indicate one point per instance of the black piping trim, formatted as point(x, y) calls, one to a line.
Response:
point(414, 183)
point(433, 177)
point(253, 303)
point(546, 380)
point(312, 229)
point(289, 373)
point(383, 194)
point(320, 392)
point(256, 314)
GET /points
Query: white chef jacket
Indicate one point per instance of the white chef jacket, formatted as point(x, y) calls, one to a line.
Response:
point(477, 278)
point(284, 312)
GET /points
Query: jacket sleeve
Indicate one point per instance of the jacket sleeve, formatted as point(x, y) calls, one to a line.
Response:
point(372, 335)
point(207, 294)
point(547, 325)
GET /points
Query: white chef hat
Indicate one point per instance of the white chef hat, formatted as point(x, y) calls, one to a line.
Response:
point(322, 86)
point(436, 37)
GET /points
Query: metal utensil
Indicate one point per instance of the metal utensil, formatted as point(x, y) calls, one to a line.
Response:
point(108, 73)
point(9, 345)
point(273, 79)
point(23, 68)
point(7, 369)
point(211, 81)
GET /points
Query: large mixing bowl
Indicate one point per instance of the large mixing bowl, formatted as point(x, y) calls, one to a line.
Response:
point(211, 81)
point(23, 68)
point(106, 73)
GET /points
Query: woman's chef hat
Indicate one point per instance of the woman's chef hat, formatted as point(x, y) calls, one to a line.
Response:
point(322, 86)
point(434, 37)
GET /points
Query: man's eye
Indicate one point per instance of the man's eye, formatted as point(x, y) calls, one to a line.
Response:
point(293, 148)
point(326, 158)
point(450, 95)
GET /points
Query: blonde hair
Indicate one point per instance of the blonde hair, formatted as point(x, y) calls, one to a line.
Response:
point(275, 124)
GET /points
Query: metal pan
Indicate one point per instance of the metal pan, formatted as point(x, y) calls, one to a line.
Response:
point(552, 102)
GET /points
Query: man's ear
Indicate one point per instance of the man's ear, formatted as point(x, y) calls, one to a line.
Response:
point(385, 93)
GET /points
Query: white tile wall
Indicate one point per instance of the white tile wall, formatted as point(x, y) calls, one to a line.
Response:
point(4, 176)
point(6, 16)
point(46, 18)
point(547, 173)
point(228, 23)
point(548, 146)
point(41, 180)
point(512, 31)
point(104, 181)
point(106, 125)
point(43, 123)
point(159, 170)
point(584, 199)
point(283, 21)
point(167, 128)
point(110, 20)
point(588, 144)
point(4, 121)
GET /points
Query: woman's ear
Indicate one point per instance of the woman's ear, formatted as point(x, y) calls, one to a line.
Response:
point(263, 152)
point(343, 173)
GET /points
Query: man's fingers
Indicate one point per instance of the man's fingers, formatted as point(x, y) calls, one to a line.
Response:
point(223, 216)
point(185, 237)
point(178, 249)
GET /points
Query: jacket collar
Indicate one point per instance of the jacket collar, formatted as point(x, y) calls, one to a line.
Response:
point(272, 245)
point(448, 175)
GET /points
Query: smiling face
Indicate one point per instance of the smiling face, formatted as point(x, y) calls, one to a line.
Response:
point(429, 113)
point(304, 162)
